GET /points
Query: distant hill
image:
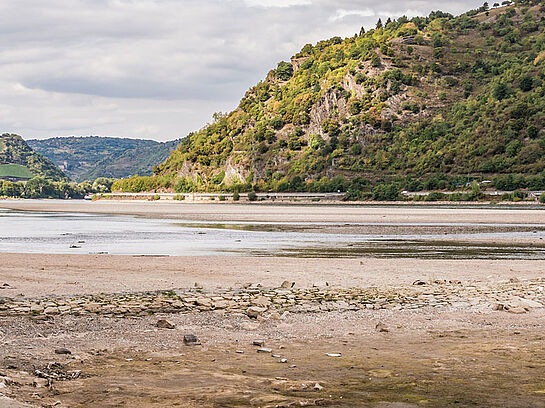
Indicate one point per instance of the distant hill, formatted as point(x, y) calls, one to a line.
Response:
point(87, 158)
point(19, 162)
point(416, 103)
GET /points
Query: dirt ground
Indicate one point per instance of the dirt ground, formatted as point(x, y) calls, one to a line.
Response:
point(426, 358)
point(464, 352)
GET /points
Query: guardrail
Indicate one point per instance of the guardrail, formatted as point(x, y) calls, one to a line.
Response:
point(203, 196)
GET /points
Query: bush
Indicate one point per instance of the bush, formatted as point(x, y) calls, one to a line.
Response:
point(222, 198)
point(542, 198)
point(179, 197)
point(236, 196)
point(435, 196)
point(252, 196)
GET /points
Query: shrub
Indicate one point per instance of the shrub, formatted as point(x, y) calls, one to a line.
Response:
point(542, 198)
point(222, 198)
point(236, 196)
point(179, 197)
point(252, 196)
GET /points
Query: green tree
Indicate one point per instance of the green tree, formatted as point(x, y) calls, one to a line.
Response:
point(284, 71)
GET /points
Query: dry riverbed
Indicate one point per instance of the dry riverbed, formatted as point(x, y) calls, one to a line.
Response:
point(431, 343)
point(243, 331)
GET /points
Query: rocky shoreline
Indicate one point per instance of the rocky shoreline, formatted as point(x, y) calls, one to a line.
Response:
point(255, 301)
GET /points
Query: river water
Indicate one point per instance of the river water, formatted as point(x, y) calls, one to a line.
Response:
point(41, 232)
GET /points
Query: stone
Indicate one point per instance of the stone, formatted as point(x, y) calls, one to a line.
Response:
point(261, 301)
point(287, 285)
point(498, 307)
point(517, 310)
point(62, 350)
point(381, 328)
point(204, 302)
point(254, 311)
point(191, 340)
point(529, 304)
point(318, 387)
point(419, 283)
point(333, 354)
point(264, 350)
point(259, 343)
point(164, 324)
point(283, 360)
point(51, 310)
point(221, 304)
point(380, 373)
point(40, 382)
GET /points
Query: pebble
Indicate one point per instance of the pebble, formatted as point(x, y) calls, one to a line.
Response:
point(333, 354)
point(264, 350)
point(62, 350)
point(191, 340)
point(259, 343)
point(381, 328)
point(164, 324)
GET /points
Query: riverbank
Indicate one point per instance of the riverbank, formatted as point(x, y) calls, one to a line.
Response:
point(90, 330)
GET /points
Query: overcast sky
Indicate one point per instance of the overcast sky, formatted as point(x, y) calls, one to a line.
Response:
point(157, 69)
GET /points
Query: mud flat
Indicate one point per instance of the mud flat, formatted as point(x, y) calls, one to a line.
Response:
point(434, 344)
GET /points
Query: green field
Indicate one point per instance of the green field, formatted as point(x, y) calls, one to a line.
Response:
point(15, 170)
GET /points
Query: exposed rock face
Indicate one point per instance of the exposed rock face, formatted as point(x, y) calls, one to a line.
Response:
point(332, 100)
point(234, 172)
point(296, 62)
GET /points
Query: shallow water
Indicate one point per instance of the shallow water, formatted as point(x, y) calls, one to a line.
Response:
point(40, 232)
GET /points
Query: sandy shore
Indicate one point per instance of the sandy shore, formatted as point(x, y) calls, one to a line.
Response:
point(35, 275)
point(289, 213)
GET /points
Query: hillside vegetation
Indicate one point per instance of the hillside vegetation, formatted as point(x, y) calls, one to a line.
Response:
point(19, 161)
point(430, 102)
point(89, 158)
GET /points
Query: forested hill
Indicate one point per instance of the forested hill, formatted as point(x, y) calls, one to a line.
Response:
point(88, 158)
point(411, 102)
point(19, 162)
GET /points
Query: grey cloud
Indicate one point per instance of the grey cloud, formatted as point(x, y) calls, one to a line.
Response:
point(188, 55)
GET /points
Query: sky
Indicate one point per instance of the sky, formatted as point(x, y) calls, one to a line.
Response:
point(158, 69)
